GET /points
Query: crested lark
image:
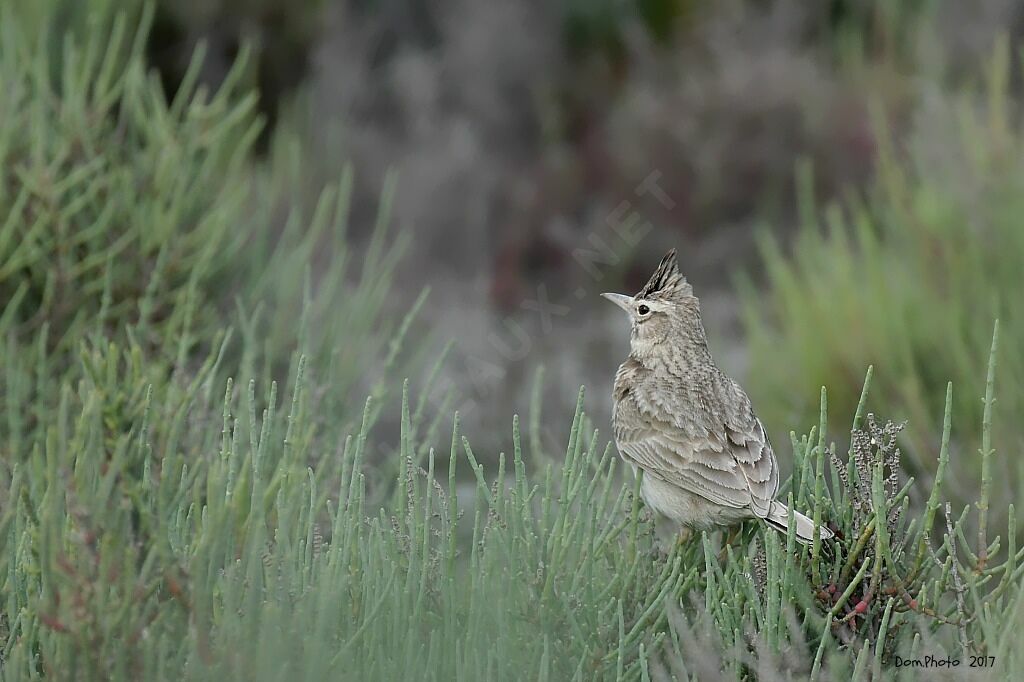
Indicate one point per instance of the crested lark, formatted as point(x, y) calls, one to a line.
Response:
point(705, 456)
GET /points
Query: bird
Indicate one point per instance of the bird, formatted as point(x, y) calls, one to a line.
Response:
point(706, 459)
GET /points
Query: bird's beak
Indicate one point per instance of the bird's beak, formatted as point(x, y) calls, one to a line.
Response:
point(621, 300)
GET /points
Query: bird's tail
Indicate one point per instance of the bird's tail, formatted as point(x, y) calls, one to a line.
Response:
point(778, 518)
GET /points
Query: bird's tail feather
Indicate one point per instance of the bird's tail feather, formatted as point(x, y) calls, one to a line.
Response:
point(778, 518)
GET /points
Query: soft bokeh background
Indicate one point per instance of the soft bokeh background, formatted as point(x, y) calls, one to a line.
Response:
point(516, 131)
point(840, 179)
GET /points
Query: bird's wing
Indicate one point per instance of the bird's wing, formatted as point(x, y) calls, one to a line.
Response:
point(734, 468)
point(756, 462)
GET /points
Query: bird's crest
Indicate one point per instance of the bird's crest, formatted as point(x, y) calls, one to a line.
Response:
point(667, 281)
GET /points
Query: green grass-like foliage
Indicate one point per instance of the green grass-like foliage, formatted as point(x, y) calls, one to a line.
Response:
point(201, 543)
point(109, 195)
point(126, 217)
point(908, 278)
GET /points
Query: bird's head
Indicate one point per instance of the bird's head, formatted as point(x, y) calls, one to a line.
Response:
point(664, 305)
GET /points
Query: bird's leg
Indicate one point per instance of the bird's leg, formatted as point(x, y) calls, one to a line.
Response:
point(684, 535)
point(733, 534)
point(729, 539)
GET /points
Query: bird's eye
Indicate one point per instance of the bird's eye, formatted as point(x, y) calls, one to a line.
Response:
point(642, 309)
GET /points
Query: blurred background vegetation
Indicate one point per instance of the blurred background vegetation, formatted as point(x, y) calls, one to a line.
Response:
point(196, 190)
point(849, 167)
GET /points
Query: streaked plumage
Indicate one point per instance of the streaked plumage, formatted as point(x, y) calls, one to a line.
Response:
point(705, 455)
